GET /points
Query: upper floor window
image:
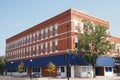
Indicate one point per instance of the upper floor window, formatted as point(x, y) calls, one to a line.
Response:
point(21, 42)
point(46, 30)
point(46, 46)
point(75, 25)
point(28, 40)
point(76, 41)
point(27, 49)
point(33, 52)
point(50, 31)
point(41, 48)
point(82, 27)
point(34, 37)
point(50, 46)
point(107, 33)
point(37, 35)
point(25, 40)
point(56, 45)
point(31, 38)
point(88, 30)
point(56, 29)
point(37, 47)
point(42, 34)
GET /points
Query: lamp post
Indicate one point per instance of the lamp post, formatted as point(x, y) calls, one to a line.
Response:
point(30, 68)
point(11, 68)
point(68, 51)
point(68, 67)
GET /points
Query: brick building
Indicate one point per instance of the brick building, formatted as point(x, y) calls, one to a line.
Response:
point(116, 54)
point(49, 41)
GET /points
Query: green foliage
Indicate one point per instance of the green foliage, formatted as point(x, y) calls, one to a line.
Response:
point(94, 42)
point(51, 67)
point(2, 64)
point(21, 67)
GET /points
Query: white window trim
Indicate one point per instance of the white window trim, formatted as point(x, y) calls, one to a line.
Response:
point(30, 38)
point(46, 31)
point(34, 36)
point(75, 24)
point(46, 47)
point(56, 28)
point(88, 30)
point(75, 39)
point(37, 48)
point(51, 27)
point(81, 27)
point(42, 34)
point(41, 48)
point(50, 46)
point(56, 44)
point(37, 35)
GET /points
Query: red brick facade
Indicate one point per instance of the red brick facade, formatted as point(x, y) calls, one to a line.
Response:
point(28, 43)
point(116, 51)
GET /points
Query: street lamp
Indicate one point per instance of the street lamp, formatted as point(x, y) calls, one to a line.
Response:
point(30, 60)
point(68, 51)
point(68, 67)
point(11, 68)
point(30, 67)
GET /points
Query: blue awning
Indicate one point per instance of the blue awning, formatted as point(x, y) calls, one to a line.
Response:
point(105, 61)
point(58, 60)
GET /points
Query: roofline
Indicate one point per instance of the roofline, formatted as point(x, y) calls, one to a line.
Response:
point(82, 12)
point(69, 10)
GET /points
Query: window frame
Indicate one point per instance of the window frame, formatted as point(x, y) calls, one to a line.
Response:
point(51, 29)
point(76, 25)
point(56, 29)
point(50, 46)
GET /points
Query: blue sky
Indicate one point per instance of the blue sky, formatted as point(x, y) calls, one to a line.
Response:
point(19, 15)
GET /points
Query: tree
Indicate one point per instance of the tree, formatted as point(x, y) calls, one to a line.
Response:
point(21, 67)
point(2, 64)
point(94, 42)
point(51, 67)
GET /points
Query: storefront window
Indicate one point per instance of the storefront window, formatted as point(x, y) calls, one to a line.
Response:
point(62, 69)
point(108, 69)
point(35, 69)
point(84, 69)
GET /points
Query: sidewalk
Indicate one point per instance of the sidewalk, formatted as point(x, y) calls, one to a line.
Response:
point(97, 78)
point(49, 78)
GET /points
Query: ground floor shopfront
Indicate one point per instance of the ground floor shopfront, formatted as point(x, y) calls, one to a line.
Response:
point(78, 66)
point(108, 66)
point(75, 71)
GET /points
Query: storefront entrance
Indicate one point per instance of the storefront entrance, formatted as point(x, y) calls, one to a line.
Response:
point(100, 71)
